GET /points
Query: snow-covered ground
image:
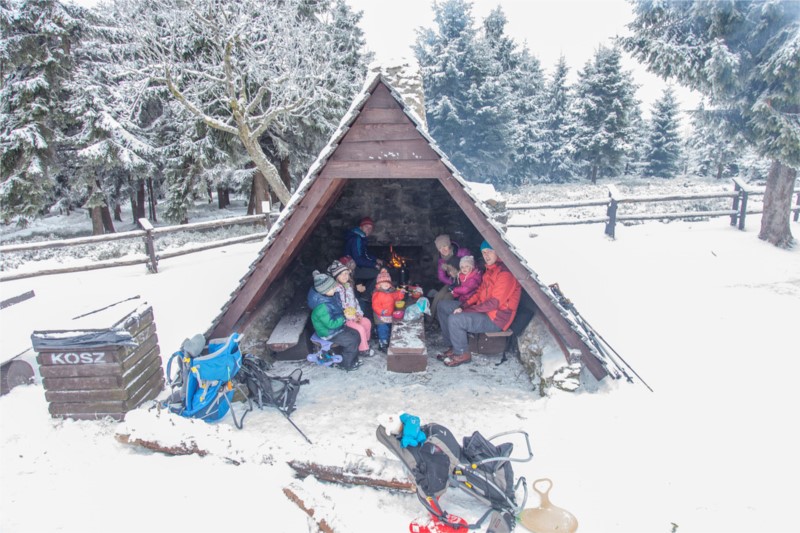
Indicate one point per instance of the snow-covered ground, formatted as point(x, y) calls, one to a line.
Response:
point(706, 314)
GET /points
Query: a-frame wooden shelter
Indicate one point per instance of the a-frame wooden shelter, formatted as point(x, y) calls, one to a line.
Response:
point(382, 141)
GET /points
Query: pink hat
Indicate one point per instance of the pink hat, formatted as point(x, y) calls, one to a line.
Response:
point(347, 261)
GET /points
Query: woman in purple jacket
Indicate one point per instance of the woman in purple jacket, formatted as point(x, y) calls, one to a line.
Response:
point(450, 254)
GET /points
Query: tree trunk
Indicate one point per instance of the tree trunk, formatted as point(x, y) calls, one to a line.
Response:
point(286, 177)
point(210, 194)
point(777, 203)
point(152, 201)
point(720, 168)
point(97, 220)
point(259, 192)
point(594, 174)
point(222, 197)
point(108, 223)
point(138, 205)
point(268, 170)
point(118, 213)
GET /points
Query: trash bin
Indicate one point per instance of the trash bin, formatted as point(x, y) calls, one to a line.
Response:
point(90, 374)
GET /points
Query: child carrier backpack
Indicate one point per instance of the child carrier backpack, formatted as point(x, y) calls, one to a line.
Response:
point(478, 467)
point(202, 386)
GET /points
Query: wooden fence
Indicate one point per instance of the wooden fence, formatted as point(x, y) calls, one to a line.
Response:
point(739, 208)
point(151, 257)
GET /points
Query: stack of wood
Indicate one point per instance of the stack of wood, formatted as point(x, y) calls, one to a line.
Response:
point(105, 377)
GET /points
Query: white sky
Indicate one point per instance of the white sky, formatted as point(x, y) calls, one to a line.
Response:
point(551, 28)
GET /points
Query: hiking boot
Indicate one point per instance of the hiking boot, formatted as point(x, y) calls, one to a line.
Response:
point(355, 366)
point(445, 354)
point(366, 353)
point(458, 359)
point(383, 346)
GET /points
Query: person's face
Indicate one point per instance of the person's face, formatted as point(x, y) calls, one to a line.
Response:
point(446, 250)
point(466, 268)
point(384, 285)
point(343, 277)
point(367, 229)
point(489, 257)
point(331, 291)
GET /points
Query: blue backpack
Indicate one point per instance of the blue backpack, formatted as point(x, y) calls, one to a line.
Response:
point(203, 387)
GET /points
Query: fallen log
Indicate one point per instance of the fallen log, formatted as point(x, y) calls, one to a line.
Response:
point(322, 524)
point(342, 476)
point(179, 449)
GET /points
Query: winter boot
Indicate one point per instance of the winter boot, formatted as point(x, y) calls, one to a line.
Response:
point(383, 345)
point(458, 359)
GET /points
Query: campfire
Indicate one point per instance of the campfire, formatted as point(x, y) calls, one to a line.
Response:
point(396, 260)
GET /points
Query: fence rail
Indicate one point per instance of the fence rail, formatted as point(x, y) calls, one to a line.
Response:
point(738, 211)
point(151, 256)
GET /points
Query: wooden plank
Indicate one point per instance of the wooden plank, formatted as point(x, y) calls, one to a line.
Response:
point(381, 98)
point(100, 409)
point(98, 355)
point(381, 132)
point(384, 115)
point(17, 299)
point(298, 226)
point(431, 169)
point(414, 150)
point(408, 338)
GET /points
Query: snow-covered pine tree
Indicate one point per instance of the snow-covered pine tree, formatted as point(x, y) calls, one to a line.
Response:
point(36, 38)
point(712, 148)
point(664, 141)
point(604, 98)
point(467, 100)
point(110, 150)
point(744, 57)
point(557, 160)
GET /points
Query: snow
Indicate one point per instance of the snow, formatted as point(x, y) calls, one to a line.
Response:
point(706, 314)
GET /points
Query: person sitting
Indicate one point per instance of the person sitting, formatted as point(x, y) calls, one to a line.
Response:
point(450, 253)
point(468, 281)
point(327, 317)
point(355, 245)
point(383, 298)
point(360, 288)
point(353, 314)
point(492, 308)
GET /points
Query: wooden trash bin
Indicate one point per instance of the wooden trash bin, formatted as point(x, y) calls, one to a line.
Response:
point(407, 351)
point(93, 373)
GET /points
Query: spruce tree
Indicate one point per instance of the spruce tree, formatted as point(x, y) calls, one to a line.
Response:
point(36, 38)
point(713, 149)
point(744, 58)
point(603, 103)
point(557, 161)
point(664, 142)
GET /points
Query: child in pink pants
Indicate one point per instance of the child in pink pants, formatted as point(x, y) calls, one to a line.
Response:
point(352, 310)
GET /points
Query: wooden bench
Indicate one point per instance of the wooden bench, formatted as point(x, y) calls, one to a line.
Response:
point(407, 351)
point(289, 340)
point(494, 343)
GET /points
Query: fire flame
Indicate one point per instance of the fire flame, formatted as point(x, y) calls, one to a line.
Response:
point(396, 260)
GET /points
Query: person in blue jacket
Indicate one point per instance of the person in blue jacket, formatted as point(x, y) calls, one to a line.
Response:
point(367, 267)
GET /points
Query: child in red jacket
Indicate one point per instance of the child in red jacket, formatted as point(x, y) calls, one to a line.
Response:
point(383, 298)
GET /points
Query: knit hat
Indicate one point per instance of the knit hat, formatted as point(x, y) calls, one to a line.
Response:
point(366, 221)
point(442, 241)
point(467, 260)
point(323, 282)
point(485, 245)
point(337, 268)
point(383, 277)
point(347, 261)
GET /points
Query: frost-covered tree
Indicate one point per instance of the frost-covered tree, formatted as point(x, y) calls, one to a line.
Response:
point(467, 100)
point(604, 98)
point(527, 86)
point(664, 141)
point(241, 67)
point(557, 161)
point(744, 57)
point(36, 38)
point(712, 148)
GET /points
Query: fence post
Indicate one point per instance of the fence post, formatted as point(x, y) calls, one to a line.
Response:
point(611, 211)
point(743, 193)
point(149, 245)
point(735, 206)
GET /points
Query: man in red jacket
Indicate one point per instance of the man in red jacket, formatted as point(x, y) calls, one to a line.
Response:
point(492, 308)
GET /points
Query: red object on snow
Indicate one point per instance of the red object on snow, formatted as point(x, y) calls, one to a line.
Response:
point(431, 524)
